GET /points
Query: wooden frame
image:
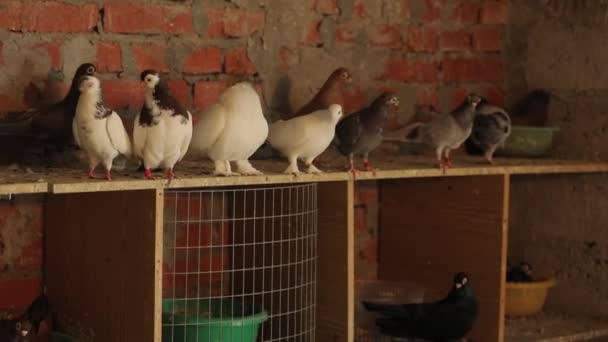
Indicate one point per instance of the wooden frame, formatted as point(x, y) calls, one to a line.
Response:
point(99, 282)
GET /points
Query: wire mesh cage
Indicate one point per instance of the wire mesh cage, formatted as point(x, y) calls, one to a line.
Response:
point(240, 264)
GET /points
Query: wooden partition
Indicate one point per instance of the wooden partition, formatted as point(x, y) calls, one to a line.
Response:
point(103, 263)
point(336, 267)
point(431, 228)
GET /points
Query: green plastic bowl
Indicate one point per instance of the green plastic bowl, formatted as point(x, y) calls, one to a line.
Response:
point(528, 142)
point(217, 320)
point(59, 337)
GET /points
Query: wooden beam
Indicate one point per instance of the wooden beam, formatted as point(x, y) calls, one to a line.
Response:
point(336, 266)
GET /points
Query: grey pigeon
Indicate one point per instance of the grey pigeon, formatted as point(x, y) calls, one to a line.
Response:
point(361, 132)
point(446, 320)
point(491, 128)
point(446, 132)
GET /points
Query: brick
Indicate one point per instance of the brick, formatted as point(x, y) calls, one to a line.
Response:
point(487, 38)
point(422, 39)
point(346, 33)
point(233, 22)
point(399, 69)
point(494, 94)
point(123, 94)
point(432, 12)
point(455, 40)
point(131, 17)
point(207, 93)
point(354, 99)
point(150, 56)
point(30, 257)
point(494, 12)
point(367, 194)
point(53, 50)
point(327, 6)
point(480, 69)
point(427, 96)
point(182, 92)
point(359, 9)
point(109, 57)
point(458, 95)
point(203, 61)
point(466, 12)
point(388, 36)
point(238, 62)
point(18, 293)
point(313, 35)
point(360, 218)
point(41, 16)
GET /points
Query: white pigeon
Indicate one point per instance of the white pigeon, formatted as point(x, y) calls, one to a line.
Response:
point(162, 130)
point(98, 131)
point(305, 137)
point(232, 130)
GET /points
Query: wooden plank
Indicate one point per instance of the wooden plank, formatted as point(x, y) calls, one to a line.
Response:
point(197, 174)
point(432, 228)
point(102, 261)
point(336, 265)
point(158, 263)
point(24, 188)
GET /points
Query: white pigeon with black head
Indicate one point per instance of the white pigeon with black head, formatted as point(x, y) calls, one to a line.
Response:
point(98, 131)
point(163, 129)
point(232, 130)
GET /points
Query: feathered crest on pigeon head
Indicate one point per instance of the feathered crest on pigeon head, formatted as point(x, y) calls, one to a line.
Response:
point(341, 74)
point(150, 78)
point(336, 111)
point(88, 84)
point(461, 280)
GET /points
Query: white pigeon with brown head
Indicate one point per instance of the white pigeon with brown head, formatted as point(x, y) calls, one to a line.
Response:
point(163, 129)
point(98, 131)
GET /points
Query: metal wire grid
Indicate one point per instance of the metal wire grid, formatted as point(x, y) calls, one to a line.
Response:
point(254, 250)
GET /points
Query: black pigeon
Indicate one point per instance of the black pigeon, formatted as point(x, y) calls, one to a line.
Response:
point(532, 109)
point(446, 320)
point(51, 125)
point(491, 128)
point(361, 132)
point(520, 274)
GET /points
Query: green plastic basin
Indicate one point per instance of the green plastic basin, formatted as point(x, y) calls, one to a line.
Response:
point(528, 142)
point(213, 320)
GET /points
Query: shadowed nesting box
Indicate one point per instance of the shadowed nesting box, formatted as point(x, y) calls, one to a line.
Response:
point(240, 264)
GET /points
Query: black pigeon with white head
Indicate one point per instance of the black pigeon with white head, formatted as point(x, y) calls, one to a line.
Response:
point(362, 132)
point(163, 129)
point(51, 125)
point(448, 319)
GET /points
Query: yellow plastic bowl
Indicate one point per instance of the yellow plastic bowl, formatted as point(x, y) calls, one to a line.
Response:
point(525, 299)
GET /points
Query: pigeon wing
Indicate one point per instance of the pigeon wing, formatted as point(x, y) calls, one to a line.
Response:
point(118, 134)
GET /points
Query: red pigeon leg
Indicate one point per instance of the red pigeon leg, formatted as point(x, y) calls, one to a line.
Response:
point(148, 174)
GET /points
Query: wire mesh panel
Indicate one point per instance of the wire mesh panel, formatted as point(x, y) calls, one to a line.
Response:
point(240, 264)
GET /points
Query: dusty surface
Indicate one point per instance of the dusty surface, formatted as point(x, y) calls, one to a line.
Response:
point(550, 327)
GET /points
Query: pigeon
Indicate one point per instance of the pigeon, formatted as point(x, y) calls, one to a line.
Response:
point(532, 109)
point(491, 127)
point(98, 130)
point(361, 132)
point(38, 311)
point(520, 274)
point(330, 93)
point(232, 130)
point(446, 132)
point(53, 124)
point(305, 137)
point(445, 320)
point(163, 129)
point(16, 330)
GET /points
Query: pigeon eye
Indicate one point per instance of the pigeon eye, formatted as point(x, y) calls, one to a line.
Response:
point(344, 75)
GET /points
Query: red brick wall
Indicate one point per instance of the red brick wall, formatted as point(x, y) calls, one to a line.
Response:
point(429, 51)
